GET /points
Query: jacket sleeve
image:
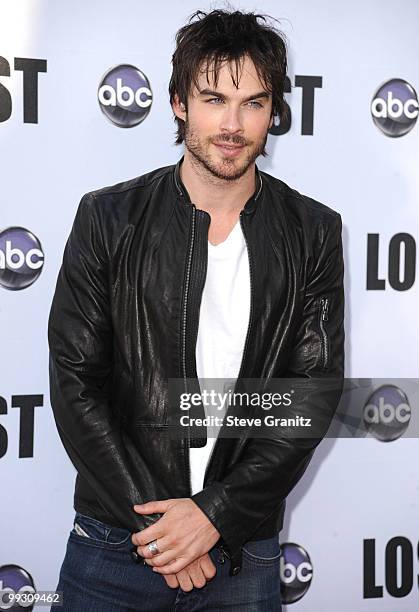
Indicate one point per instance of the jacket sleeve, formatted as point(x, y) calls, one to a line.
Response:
point(80, 367)
point(270, 468)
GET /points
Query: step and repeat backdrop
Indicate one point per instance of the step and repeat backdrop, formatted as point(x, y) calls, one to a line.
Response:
point(83, 104)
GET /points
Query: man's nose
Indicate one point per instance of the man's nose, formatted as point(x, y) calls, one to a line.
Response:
point(231, 121)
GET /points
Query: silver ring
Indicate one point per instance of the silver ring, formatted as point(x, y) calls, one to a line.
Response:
point(153, 548)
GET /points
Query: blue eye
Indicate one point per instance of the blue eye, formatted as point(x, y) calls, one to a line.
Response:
point(253, 103)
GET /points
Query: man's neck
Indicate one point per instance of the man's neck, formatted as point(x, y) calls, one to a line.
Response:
point(215, 195)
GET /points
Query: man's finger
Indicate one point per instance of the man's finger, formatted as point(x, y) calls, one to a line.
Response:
point(163, 544)
point(208, 567)
point(153, 507)
point(144, 537)
point(185, 581)
point(172, 581)
point(164, 559)
point(173, 568)
point(196, 574)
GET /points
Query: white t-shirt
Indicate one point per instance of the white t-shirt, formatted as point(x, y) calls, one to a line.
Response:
point(223, 323)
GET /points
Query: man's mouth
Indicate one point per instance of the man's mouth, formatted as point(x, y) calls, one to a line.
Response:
point(229, 149)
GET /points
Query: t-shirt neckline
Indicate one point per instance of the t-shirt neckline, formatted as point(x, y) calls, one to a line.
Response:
point(216, 248)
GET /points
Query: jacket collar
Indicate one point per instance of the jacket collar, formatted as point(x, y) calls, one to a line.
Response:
point(184, 195)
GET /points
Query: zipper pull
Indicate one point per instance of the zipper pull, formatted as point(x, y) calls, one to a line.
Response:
point(325, 308)
point(222, 556)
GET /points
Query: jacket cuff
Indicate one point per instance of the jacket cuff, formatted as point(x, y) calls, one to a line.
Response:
point(213, 503)
point(222, 514)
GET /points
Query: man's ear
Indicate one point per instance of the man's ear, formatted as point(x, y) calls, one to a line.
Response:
point(271, 122)
point(179, 108)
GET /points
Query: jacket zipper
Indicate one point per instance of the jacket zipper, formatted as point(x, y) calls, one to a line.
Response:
point(324, 316)
point(214, 448)
point(185, 303)
point(251, 300)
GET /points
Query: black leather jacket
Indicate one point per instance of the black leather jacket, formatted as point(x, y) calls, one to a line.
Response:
point(124, 319)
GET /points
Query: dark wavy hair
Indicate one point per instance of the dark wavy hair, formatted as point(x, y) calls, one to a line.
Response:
point(211, 38)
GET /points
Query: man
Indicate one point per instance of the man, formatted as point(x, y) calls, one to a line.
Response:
point(208, 268)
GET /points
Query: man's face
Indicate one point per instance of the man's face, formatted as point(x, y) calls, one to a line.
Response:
point(226, 128)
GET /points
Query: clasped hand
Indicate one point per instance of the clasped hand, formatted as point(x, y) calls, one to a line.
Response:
point(183, 535)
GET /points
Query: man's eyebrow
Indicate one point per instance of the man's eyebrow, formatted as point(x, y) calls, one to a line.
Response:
point(217, 94)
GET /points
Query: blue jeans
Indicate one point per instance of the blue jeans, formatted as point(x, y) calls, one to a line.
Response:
point(99, 575)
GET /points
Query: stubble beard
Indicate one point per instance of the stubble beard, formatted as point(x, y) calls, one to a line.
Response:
point(226, 169)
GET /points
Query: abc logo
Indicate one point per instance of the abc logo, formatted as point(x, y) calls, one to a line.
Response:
point(296, 572)
point(14, 579)
point(21, 258)
point(387, 413)
point(125, 96)
point(395, 108)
